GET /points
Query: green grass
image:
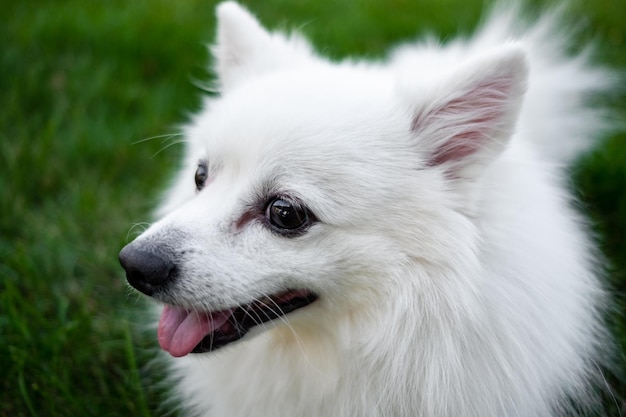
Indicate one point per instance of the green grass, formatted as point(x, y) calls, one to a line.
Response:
point(80, 83)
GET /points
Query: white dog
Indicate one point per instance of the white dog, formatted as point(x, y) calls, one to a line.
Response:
point(369, 239)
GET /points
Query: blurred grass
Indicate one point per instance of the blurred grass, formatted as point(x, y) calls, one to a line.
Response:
point(80, 83)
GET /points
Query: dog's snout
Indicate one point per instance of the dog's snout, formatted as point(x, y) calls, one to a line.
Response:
point(147, 269)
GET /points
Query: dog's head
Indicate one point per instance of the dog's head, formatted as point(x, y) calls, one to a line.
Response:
point(312, 186)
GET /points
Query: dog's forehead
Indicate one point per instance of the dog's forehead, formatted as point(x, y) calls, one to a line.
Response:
point(300, 113)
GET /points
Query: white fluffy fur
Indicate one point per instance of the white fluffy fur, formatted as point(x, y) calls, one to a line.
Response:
point(454, 278)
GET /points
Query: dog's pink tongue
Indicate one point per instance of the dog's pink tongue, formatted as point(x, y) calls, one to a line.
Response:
point(181, 330)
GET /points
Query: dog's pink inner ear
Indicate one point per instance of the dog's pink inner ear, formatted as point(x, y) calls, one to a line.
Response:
point(466, 123)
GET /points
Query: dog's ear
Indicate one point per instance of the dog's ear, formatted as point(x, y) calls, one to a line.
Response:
point(465, 121)
point(244, 48)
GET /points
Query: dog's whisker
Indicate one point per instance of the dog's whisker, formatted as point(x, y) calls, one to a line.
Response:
point(167, 137)
point(257, 320)
point(206, 86)
point(142, 225)
point(172, 143)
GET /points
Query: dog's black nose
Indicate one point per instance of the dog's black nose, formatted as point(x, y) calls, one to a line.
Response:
point(147, 269)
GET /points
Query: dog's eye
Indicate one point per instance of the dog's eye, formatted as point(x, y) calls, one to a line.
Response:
point(201, 176)
point(286, 216)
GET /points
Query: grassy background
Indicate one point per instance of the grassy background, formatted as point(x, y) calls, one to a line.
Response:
point(80, 83)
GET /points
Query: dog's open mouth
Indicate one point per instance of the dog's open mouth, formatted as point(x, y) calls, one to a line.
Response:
point(183, 331)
